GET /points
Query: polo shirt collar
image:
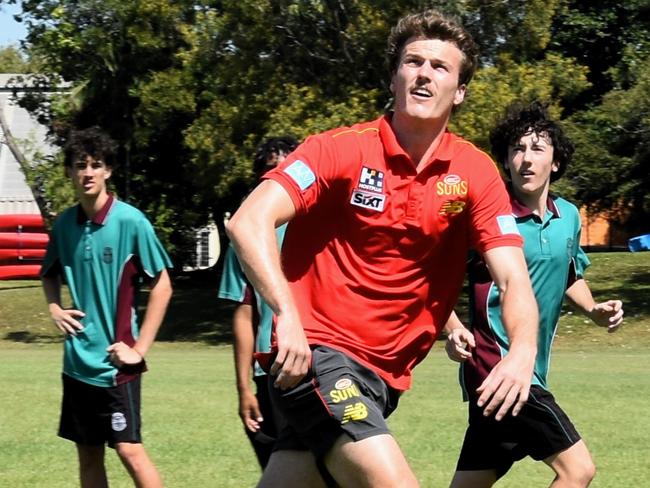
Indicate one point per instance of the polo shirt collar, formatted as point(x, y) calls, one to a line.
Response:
point(100, 217)
point(520, 210)
point(444, 152)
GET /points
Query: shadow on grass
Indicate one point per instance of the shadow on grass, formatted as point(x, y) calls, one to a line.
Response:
point(29, 337)
point(195, 313)
point(633, 289)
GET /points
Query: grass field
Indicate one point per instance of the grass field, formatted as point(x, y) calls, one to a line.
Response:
point(193, 433)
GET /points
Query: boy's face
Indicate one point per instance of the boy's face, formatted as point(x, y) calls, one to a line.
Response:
point(425, 85)
point(530, 163)
point(89, 176)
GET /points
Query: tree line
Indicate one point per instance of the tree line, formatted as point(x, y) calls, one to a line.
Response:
point(189, 88)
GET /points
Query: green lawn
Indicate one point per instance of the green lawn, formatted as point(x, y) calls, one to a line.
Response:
point(193, 433)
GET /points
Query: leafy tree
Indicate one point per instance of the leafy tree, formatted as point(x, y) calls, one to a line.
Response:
point(12, 61)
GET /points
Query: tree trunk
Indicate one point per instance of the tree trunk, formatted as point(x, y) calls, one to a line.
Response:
point(10, 141)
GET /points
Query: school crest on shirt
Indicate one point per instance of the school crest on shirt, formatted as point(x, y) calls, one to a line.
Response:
point(107, 255)
point(369, 191)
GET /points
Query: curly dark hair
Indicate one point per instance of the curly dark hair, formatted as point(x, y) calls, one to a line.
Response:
point(272, 145)
point(431, 24)
point(93, 142)
point(521, 119)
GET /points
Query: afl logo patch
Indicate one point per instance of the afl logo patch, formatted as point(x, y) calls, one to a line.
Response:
point(107, 255)
point(343, 383)
point(118, 422)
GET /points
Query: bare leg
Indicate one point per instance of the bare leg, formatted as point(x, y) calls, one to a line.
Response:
point(573, 467)
point(291, 469)
point(474, 479)
point(92, 473)
point(375, 462)
point(137, 462)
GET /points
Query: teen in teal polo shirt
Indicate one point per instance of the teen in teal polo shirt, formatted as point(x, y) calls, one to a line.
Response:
point(253, 323)
point(534, 152)
point(102, 248)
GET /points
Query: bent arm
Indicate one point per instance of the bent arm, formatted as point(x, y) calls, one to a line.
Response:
point(508, 384)
point(605, 314)
point(64, 319)
point(252, 232)
point(159, 296)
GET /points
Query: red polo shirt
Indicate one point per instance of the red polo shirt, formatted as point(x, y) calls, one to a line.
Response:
point(376, 254)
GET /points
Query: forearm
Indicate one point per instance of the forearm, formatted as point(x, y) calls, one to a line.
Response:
point(52, 290)
point(453, 322)
point(243, 345)
point(159, 297)
point(520, 317)
point(580, 296)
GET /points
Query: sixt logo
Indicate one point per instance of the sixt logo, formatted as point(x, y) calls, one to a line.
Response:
point(371, 179)
point(367, 200)
point(451, 185)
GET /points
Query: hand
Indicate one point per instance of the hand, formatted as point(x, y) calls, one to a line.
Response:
point(459, 342)
point(608, 314)
point(66, 319)
point(249, 410)
point(507, 384)
point(294, 355)
point(122, 355)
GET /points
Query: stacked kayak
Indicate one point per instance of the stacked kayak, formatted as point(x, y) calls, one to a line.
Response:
point(23, 240)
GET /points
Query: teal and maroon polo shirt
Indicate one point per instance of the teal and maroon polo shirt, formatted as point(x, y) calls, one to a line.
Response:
point(235, 286)
point(102, 261)
point(375, 256)
point(555, 260)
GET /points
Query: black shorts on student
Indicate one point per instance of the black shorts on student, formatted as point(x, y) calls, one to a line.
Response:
point(539, 430)
point(338, 396)
point(93, 415)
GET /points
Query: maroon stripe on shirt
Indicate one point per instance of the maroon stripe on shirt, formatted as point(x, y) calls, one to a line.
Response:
point(126, 293)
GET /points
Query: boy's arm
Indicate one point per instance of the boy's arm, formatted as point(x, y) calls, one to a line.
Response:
point(159, 296)
point(460, 340)
point(244, 346)
point(65, 320)
point(605, 314)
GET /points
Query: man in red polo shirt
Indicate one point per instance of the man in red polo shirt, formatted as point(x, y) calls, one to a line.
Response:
point(382, 215)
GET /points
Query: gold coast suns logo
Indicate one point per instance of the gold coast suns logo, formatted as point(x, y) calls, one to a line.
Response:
point(452, 186)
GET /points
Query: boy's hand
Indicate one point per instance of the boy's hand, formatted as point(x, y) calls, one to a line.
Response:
point(122, 355)
point(66, 319)
point(608, 314)
point(460, 341)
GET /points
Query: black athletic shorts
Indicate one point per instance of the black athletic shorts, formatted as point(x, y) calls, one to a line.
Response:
point(539, 430)
point(93, 415)
point(337, 396)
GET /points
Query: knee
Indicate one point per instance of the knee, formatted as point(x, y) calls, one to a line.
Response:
point(130, 454)
point(581, 474)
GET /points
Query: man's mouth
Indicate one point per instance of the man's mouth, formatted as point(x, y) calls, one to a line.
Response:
point(421, 92)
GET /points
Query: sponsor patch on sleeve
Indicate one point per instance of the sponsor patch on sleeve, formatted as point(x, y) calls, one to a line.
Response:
point(507, 224)
point(301, 174)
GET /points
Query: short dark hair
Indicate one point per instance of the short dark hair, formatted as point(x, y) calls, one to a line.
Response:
point(272, 145)
point(93, 142)
point(431, 24)
point(521, 119)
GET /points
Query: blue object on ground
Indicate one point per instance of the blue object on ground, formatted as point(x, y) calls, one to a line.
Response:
point(639, 243)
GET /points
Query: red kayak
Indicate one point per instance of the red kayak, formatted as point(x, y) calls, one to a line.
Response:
point(21, 255)
point(27, 222)
point(23, 240)
point(19, 271)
